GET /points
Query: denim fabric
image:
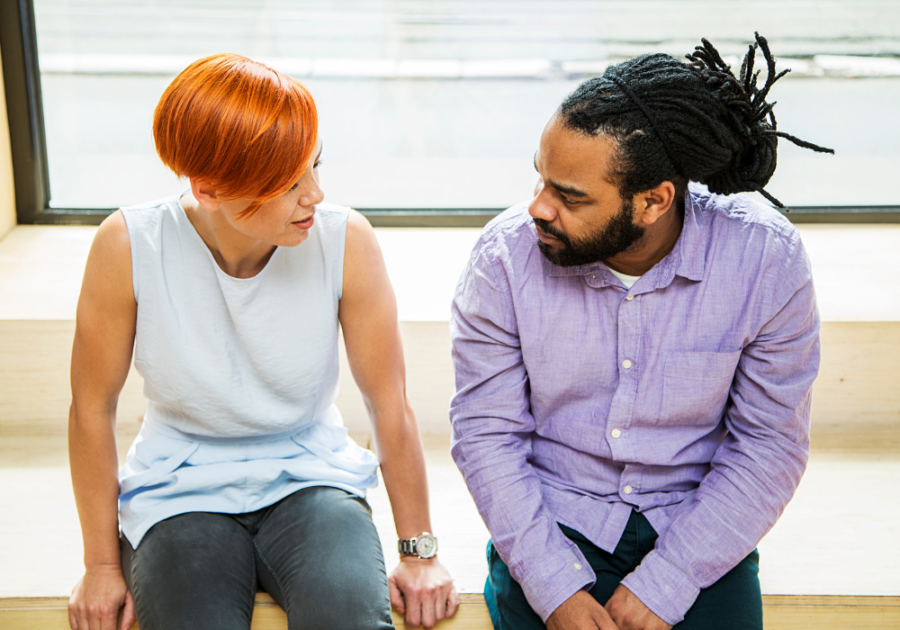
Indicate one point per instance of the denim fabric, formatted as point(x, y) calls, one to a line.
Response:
point(733, 602)
point(316, 552)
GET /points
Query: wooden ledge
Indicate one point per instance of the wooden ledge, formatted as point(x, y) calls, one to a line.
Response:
point(781, 612)
point(51, 613)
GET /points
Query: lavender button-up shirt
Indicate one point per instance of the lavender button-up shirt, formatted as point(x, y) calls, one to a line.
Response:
point(685, 398)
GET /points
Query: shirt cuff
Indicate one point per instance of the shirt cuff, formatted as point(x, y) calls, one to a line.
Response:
point(662, 587)
point(548, 588)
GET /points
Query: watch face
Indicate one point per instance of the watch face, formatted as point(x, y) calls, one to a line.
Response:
point(426, 546)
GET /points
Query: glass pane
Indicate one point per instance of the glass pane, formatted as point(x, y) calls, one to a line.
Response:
point(440, 103)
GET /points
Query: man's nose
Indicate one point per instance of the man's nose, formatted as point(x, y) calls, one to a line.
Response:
point(541, 206)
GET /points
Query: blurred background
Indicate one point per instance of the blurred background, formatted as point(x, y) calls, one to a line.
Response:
point(440, 103)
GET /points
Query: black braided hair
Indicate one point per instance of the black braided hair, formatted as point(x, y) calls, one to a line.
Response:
point(680, 122)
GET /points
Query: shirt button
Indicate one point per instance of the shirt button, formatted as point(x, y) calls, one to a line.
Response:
point(629, 298)
point(627, 489)
point(577, 566)
point(616, 433)
point(626, 364)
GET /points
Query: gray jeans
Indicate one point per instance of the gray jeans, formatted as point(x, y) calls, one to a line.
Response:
point(315, 552)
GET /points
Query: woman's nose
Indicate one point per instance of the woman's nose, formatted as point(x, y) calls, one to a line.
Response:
point(312, 196)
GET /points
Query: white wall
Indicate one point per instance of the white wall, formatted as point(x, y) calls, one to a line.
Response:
point(7, 194)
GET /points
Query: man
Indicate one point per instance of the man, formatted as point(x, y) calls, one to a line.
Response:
point(634, 357)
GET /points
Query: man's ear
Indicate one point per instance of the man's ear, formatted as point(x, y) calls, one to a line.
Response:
point(205, 195)
point(652, 204)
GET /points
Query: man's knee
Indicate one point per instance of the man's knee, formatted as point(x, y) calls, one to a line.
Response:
point(505, 599)
point(735, 601)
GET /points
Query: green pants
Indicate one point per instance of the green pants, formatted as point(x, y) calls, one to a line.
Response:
point(734, 602)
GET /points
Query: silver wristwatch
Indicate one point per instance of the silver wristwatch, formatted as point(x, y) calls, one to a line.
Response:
point(424, 546)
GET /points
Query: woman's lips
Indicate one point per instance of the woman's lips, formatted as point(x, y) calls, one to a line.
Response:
point(306, 223)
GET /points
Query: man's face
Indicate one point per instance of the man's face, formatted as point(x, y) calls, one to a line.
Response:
point(579, 215)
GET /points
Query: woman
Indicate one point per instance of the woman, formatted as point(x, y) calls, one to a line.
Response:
point(230, 295)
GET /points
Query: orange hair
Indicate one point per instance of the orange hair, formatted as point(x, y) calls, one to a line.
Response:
point(242, 128)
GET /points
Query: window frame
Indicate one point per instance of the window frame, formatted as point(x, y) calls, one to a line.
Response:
point(31, 176)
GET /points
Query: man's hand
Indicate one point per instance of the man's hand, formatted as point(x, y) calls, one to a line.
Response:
point(630, 613)
point(422, 591)
point(97, 599)
point(581, 612)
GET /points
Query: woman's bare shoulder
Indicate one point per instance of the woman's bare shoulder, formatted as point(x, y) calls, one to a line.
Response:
point(112, 237)
point(361, 250)
point(108, 271)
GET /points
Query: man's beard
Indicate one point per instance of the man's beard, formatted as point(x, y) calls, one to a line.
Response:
point(614, 238)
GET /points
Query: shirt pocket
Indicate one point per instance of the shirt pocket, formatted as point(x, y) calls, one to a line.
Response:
point(696, 387)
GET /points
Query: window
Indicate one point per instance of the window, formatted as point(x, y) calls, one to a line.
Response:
point(435, 107)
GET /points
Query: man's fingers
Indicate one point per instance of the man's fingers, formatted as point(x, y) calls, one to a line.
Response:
point(73, 620)
point(128, 616)
point(605, 621)
point(397, 600)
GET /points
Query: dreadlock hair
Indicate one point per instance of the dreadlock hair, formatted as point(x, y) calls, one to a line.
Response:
point(681, 122)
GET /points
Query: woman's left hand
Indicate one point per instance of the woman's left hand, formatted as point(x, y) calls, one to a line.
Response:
point(422, 591)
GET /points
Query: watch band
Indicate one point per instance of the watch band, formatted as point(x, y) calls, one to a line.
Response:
point(410, 546)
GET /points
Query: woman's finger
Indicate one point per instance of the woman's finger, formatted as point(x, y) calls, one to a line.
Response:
point(84, 620)
point(397, 600)
point(440, 604)
point(413, 605)
point(128, 616)
point(428, 619)
point(452, 601)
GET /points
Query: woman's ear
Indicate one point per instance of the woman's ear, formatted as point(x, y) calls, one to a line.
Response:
point(205, 195)
point(654, 203)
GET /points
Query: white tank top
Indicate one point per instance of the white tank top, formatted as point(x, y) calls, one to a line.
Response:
point(229, 357)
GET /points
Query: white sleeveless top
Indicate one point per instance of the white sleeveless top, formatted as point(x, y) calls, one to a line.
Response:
point(240, 375)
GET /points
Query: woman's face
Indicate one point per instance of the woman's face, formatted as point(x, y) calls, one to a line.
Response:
point(285, 220)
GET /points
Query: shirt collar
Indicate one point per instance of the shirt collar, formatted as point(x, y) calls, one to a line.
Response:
point(687, 258)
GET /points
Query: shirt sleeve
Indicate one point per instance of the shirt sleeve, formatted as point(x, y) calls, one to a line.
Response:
point(757, 468)
point(492, 427)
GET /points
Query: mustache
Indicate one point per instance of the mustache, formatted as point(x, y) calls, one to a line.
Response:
point(549, 229)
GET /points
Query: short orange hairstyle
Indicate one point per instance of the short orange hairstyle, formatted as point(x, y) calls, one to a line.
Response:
point(244, 129)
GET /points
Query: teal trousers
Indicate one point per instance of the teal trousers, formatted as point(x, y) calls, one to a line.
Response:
point(734, 602)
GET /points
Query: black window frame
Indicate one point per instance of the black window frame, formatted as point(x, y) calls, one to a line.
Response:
point(22, 80)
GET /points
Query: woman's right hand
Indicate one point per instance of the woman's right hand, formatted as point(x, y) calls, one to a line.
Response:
point(97, 598)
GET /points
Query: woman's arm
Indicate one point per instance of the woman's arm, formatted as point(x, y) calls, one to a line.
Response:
point(368, 314)
point(101, 356)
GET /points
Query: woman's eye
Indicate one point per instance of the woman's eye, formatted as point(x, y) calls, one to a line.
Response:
point(317, 164)
point(294, 187)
